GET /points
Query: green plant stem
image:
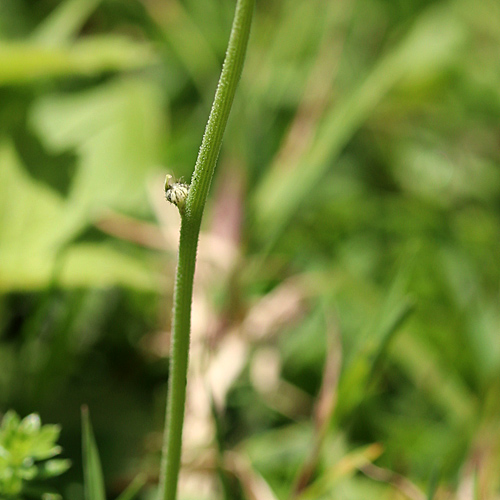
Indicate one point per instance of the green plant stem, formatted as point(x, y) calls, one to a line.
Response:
point(191, 215)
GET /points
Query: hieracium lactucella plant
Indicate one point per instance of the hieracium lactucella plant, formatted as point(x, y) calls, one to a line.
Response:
point(190, 200)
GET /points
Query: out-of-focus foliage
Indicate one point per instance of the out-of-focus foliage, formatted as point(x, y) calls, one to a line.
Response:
point(346, 313)
point(26, 454)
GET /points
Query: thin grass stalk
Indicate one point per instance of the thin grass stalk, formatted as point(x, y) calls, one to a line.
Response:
point(191, 215)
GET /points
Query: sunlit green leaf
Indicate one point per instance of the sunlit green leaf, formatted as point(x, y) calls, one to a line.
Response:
point(22, 62)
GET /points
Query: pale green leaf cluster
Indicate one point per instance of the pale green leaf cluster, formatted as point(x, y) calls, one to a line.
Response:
point(27, 451)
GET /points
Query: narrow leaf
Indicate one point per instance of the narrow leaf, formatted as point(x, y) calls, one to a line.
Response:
point(63, 24)
point(92, 470)
point(133, 488)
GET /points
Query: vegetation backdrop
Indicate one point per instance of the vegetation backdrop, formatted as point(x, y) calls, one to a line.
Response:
point(346, 314)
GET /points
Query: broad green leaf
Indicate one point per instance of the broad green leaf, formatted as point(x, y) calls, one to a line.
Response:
point(100, 265)
point(31, 217)
point(35, 222)
point(22, 62)
point(117, 130)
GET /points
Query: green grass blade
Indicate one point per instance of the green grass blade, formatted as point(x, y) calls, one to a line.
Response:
point(360, 370)
point(433, 484)
point(133, 488)
point(477, 488)
point(92, 470)
point(66, 20)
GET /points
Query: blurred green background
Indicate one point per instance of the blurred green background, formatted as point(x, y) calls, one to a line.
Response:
point(346, 314)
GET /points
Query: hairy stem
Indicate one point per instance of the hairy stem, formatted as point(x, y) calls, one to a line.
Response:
point(191, 215)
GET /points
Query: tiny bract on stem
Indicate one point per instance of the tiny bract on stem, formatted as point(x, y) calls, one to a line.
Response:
point(176, 192)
